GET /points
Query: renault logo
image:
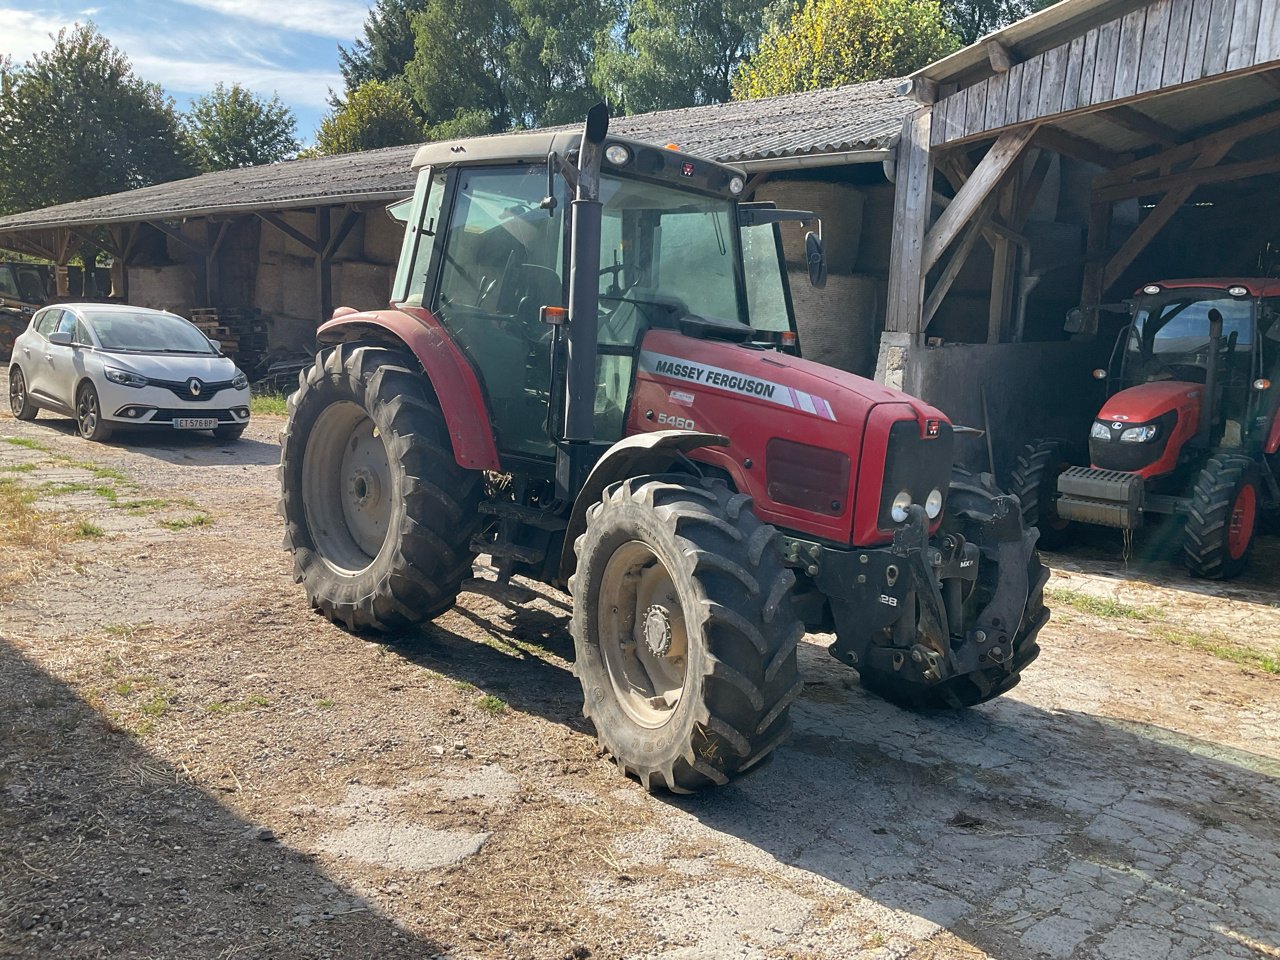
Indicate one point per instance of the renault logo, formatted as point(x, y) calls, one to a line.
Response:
point(194, 387)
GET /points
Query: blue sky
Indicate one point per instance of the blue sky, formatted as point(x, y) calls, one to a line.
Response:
point(289, 47)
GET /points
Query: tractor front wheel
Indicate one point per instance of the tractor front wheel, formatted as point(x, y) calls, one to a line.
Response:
point(377, 513)
point(684, 632)
point(1222, 518)
point(1035, 483)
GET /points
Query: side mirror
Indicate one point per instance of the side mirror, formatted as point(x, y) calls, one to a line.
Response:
point(217, 345)
point(61, 338)
point(816, 257)
point(1076, 321)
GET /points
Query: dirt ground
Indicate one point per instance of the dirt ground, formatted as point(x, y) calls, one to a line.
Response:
point(192, 764)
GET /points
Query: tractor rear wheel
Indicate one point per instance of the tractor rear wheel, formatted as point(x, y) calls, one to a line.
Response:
point(684, 633)
point(1035, 483)
point(1222, 518)
point(377, 513)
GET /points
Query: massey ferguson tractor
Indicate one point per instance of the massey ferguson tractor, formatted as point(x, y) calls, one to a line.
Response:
point(1189, 426)
point(591, 375)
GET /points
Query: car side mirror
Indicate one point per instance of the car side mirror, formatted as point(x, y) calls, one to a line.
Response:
point(815, 256)
point(217, 345)
point(61, 338)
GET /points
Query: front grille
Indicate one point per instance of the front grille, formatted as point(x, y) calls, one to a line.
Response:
point(1115, 454)
point(180, 389)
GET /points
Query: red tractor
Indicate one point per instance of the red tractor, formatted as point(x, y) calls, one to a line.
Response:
point(1189, 426)
point(601, 389)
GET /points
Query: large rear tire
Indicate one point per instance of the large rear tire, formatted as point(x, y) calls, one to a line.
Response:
point(684, 633)
point(1035, 483)
point(1223, 518)
point(377, 512)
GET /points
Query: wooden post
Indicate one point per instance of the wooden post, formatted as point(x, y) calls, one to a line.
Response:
point(912, 202)
point(324, 275)
point(1003, 261)
point(1099, 238)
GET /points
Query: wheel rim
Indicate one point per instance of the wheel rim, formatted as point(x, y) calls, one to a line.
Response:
point(1243, 514)
point(17, 393)
point(347, 492)
point(87, 414)
point(643, 635)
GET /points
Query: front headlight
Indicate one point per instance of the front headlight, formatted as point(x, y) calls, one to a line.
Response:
point(1100, 432)
point(240, 381)
point(901, 504)
point(1143, 434)
point(933, 504)
point(124, 377)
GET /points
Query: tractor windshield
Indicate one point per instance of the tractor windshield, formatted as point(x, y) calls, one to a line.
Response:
point(1169, 338)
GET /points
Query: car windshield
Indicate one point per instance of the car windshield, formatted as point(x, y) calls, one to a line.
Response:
point(1174, 330)
point(148, 333)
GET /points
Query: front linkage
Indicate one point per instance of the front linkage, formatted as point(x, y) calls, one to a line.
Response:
point(948, 620)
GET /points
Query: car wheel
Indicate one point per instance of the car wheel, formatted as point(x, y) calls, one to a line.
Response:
point(89, 415)
point(19, 400)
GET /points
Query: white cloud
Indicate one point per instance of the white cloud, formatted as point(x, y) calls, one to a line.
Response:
point(340, 19)
point(299, 87)
point(26, 33)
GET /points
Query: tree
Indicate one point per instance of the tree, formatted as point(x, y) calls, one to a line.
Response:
point(376, 114)
point(832, 42)
point(233, 127)
point(386, 47)
point(76, 122)
point(678, 53)
point(517, 63)
point(971, 20)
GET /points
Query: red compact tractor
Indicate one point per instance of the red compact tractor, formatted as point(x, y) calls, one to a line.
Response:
point(1189, 427)
point(599, 386)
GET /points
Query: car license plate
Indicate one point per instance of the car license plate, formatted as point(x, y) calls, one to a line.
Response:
point(195, 423)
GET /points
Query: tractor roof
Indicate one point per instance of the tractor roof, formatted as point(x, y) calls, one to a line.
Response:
point(1257, 286)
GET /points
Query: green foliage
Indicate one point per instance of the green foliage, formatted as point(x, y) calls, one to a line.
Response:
point(678, 53)
point(970, 20)
point(232, 127)
point(376, 114)
point(384, 50)
point(832, 42)
point(75, 122)
point(504, 63)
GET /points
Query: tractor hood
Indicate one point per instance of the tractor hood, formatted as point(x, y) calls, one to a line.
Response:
point(1147, 401)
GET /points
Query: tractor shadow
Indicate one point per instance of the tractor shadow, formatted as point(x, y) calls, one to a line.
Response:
point(1021, 830)
point(107, 849)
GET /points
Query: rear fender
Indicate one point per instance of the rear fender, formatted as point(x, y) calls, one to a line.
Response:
point(634, 456)
point(455, 383)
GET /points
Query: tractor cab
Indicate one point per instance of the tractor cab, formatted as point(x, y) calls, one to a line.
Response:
point(23, 290)
point(1189, 426)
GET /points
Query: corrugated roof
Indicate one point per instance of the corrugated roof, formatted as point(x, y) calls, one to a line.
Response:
point(853, 117)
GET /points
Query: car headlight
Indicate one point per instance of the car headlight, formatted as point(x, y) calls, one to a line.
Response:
point(1100, 432)
point(1143, 434)
point(901, 504)
point(240, 381)
point(124, 377)
point(933, 504)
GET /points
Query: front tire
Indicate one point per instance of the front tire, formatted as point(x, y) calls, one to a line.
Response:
point(19, 400)
point(378, 514)
point(1222, 518)
point(1035, 483)
point(89, 415)
point(684, 633)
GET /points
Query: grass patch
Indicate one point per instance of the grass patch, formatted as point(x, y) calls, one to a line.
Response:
point(85, 530)
point(491, 703)
point(25, 443)
point(184, 523)
point(269, 404)
point(464, 686)
point(237, 706)
point(158, 704)
point(124, 687)
point(1220, 646)
point(19, 468)
point(1101, 606)
point(324, 702)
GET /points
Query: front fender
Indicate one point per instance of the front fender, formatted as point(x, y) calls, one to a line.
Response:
point(633, 456)
point(457, 388)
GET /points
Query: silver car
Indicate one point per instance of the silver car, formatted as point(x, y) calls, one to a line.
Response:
point(113, 366)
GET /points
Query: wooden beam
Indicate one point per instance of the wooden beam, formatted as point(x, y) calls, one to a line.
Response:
point(958, 259)
point(1031, 190)
point(1070, 145)
point(1098, 237)
point(179, 236)
point(999, 57)
point(1233, 133)
point(911, 208)
point(1272, 77)
point(920, 89)
point(324, 275)
point(1157, 218)
point(1135, 121)
point(1004, 255)
point(1232, 171)
point(289, 230)
point(988, 174)
point(349, 219)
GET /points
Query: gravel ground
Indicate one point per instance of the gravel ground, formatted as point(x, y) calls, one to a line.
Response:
point(192, 764)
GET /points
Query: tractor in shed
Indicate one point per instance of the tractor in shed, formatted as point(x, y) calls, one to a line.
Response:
point(1190, 426)
point(591, 374)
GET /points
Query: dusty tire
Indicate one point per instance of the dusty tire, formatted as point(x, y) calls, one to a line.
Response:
point(1034, 482)
point(19, 400)
point(970, 492)
point(228, 434)
point(365, 449)
point(1223, 518)
point(727, 606)
point(89, 415)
